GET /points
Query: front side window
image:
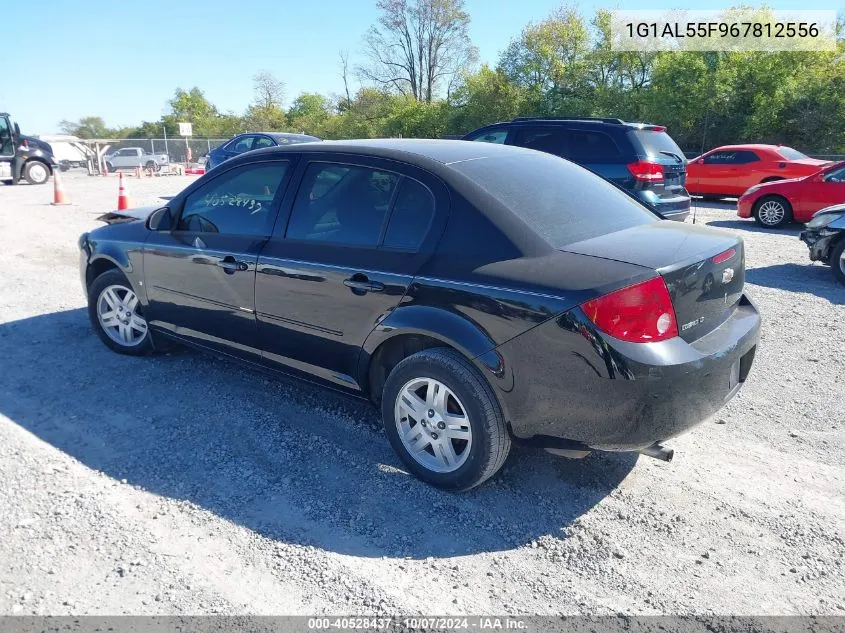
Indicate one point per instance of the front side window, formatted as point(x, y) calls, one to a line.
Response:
point(263, 141)
point(491, 136)
point(237, 202)
point(835, 175)
point(721, 158)
point(342, 204)
point(242, 145)
point(6, 148)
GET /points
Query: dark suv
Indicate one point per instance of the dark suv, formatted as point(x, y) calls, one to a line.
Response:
point(640, 158)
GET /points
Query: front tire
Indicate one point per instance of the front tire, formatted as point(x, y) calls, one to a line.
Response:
point(443, 420)
point(773, 212)
point(837, 260)
point(115, 313)
point(36, 172)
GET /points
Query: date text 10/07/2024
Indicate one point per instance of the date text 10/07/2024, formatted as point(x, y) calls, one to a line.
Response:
point(681, 30)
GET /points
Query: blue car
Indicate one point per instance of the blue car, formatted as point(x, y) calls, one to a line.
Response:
point(254, 140)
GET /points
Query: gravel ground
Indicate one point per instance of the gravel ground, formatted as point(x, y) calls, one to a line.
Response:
point(181, 483)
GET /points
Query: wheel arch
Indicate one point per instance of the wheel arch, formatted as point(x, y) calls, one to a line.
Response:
point(100, 263)
point(409, 330)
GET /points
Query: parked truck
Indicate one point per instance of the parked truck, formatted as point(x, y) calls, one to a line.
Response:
point(132, 157)
point(23, 157)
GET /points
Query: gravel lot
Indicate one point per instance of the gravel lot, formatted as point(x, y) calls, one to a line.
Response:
point(181, 483)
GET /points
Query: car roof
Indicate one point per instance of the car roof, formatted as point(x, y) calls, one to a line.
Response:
point(424, 152)
point(757, 146)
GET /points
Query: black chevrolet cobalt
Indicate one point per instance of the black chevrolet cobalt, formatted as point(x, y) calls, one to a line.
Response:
point(481, 295)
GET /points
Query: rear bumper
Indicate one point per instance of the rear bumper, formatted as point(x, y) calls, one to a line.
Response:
point(564, 384)
point(675, 208)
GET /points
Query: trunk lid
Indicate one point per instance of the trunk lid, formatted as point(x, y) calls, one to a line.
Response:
point(703, 268)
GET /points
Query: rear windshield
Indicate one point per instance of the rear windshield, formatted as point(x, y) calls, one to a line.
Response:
point(560, 201)
point(791, 154)
point(657, 143)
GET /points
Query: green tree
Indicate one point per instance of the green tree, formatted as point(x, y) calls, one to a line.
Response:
point(86, 127)
point(483, 98)
point(265, 113)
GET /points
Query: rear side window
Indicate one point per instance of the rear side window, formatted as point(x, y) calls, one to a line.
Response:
point(550, 140)
point(263, 141)
point(342, 204)
point(654, 143)
point(558, 200)
point(411, 217)
point(791, 154)
point(586, 146)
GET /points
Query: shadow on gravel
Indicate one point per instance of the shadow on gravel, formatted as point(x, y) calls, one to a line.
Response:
point(291, 462)
point(752, 226)
point(809, 278)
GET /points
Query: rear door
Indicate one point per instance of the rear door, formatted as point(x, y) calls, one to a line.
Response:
point(200, 277)
point(358, 231)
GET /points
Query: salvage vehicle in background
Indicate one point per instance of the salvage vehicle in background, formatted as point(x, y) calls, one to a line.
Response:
point(730, 170)
point(132, 157)
point(824, 235)
point(639, 158)
point(775, 204)
point(256, 140)
point(480, 295)
point(23, 156)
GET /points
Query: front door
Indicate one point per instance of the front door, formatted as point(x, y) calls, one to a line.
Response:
point(7, 148)
point(355, 239)
point(818, 195)
point(200, 277)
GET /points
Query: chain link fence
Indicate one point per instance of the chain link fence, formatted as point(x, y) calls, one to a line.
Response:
point(173, 147)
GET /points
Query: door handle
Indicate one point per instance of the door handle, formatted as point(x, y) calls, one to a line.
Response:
point(362, 284)
point(231, 265)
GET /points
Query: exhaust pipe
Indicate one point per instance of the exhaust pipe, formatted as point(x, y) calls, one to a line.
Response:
point(658, 451)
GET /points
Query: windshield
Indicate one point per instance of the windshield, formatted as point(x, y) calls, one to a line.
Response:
point(560, 201)
point(791, 154)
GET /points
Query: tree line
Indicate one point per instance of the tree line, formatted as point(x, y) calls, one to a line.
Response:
point(420, 78)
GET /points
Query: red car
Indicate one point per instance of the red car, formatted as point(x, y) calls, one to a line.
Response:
point(774, 204)
point(731, 169)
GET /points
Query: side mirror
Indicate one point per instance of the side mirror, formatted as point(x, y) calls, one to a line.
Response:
point(160, 220)
point(700, 161)
point(17, 129)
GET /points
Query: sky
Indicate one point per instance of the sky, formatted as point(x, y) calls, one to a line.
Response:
point(123, 60)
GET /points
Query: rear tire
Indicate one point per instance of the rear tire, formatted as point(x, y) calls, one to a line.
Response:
point(36, 172)
point(837, 260)
point(773, 212)
point(115, 313)
point(453, 434)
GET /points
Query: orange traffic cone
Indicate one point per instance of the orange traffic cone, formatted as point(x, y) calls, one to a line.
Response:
point(122, 198)
point(59, 196)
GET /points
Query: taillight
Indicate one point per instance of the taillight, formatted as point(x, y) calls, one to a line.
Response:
point(723, 257)
point(646, 171)
point(641, 313)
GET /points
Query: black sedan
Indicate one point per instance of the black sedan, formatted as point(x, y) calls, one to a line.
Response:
point(256, 140)
point(481, 295)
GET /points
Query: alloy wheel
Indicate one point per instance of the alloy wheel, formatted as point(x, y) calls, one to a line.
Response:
point(771, 212)
point(117, 311)
point(433, 425)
